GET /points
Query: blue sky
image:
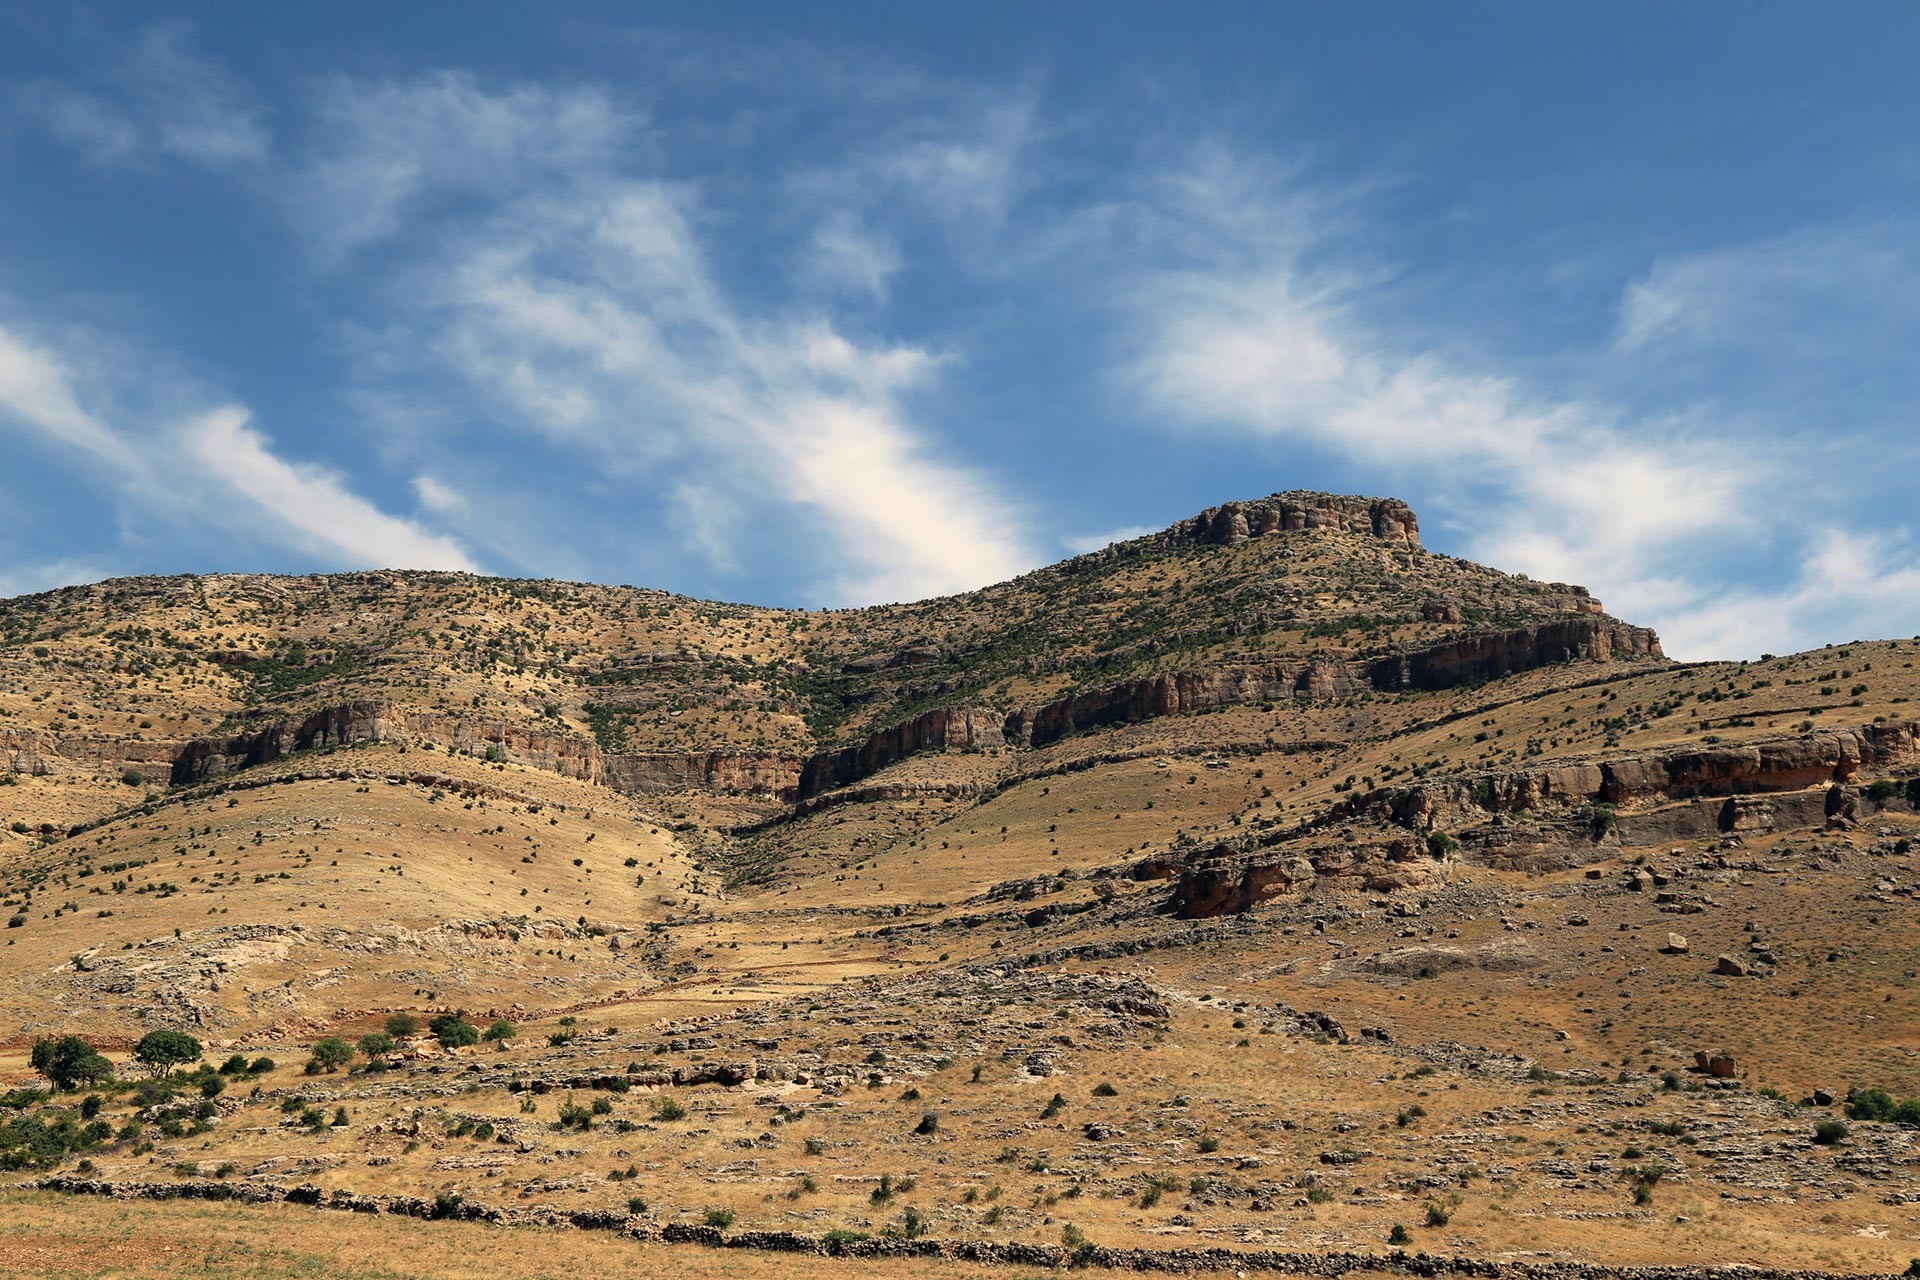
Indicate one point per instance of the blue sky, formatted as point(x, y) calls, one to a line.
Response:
point(811, 305)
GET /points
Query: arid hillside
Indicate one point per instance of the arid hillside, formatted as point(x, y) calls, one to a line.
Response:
point(1269, 884)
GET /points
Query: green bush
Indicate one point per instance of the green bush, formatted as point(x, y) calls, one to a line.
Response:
point(453, 1031)
point(330, 1054)
point(70, 1062)
point(1878, 1104)
point(721, 1218)
point(162, 1051)
point(1829, 1132)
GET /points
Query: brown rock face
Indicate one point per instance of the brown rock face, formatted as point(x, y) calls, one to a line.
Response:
point(1479, 658)
point(1178, 693)
point(1777, 765)
point(334, 726)
point(1388, 519)
point(355, 722)
point(939, 729)
point(775, 773)
point(1781, 764)
point(1227, 878)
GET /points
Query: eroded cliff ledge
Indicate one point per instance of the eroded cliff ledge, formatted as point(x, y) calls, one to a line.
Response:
point(347, 724)
point(1555, 816)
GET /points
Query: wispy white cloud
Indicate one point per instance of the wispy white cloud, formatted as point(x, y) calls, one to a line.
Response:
point(1848, 586)
point(36, 390)
point(386, 147)
point(577, 306)
point(846, 256)
point(600, 322)
point(210, 469)
point(312, 504)
point(1763, 294)
point(1248, 341)
point(436, 495)
point(47, 575)
point(160, 100)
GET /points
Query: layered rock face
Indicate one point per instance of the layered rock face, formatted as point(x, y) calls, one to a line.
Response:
point(37, 753)
point(1776, 765)
point(1388, 519)
point(1468, 660)
point(357, 722)
point(1475, 659)
point(1180, 693)
point(1226, 879)
point(746, 772)
point(335, 726)
point(1279, 603)
point(935, 730)
point(1559, 829)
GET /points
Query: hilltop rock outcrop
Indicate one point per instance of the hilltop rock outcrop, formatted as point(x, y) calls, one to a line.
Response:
point(1388, 519)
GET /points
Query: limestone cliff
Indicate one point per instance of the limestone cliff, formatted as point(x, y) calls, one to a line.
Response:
point(358, 722)
point(1388, 519)
point(938, 729)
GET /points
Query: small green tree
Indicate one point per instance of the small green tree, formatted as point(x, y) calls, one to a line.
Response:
point(500, 1031)
point(453, 1031)
point(70, 1062)
point(330, 1054)
point(402, 1025)
point(377, 1045)
point(161, 1051)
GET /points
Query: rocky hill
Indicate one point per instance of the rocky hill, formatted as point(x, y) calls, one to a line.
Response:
point(1268, 877)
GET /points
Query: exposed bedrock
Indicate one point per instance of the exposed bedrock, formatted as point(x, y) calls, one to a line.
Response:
point(1774, 765)
point(349, 723)
point(1475, 659)
point(1227, 878)
point(1234, 522)
point(938, 729)
point(1180, 693)
point(1541, 819)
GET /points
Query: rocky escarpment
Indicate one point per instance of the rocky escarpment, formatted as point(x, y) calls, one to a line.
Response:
point(1475, 659)
point(38, 752)
point(1538, 819)
point(939, 729)
point(1234, 522)
point(1468, 660)
point(1773, 765)
point(1181, 693)
point(1226, 878)
point(350, 723)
